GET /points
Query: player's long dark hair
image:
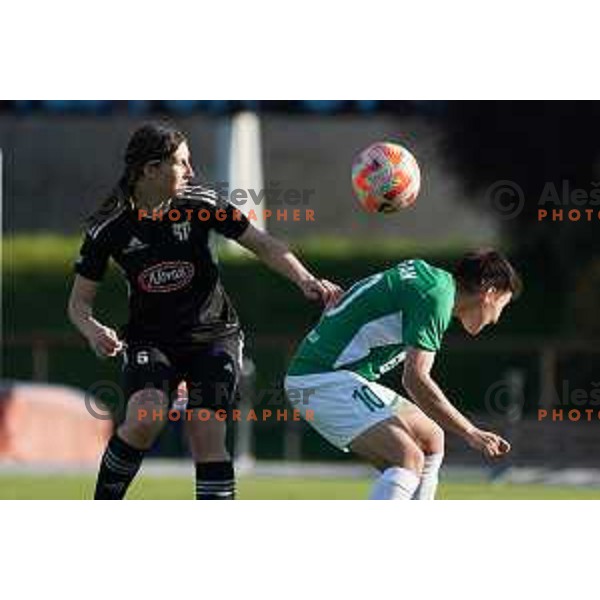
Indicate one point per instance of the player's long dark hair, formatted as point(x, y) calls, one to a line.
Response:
point(151, 142)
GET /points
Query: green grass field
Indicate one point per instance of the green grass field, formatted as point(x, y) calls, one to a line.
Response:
point(54, 487)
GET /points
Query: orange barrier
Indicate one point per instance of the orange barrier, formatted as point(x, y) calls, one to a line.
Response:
point(49, 424)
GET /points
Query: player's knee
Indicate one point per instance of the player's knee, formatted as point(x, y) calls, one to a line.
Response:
point(147, 413)
point(136, 435)
point(414, 458)
point(434, 441)
point(408, 456)
point(207, 440)
point(146, 406)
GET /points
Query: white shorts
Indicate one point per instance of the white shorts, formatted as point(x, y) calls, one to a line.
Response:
point(341, 405)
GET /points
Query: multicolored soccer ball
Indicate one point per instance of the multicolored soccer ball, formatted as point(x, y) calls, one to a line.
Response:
point(386, 178)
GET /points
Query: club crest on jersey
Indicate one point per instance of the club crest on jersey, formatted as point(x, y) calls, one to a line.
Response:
point(166, 277)
point(181, 230)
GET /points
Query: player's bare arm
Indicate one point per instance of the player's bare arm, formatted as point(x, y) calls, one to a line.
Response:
point(103, 340)
point(277, 255)
point(431, 399)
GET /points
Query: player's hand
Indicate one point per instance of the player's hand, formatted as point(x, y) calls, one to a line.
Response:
point(489, 443)
point(105, 342)
point(322, 289)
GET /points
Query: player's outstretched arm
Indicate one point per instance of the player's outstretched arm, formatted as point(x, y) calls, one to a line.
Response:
point(431, 399)
point(275, 254)
point(103, 340)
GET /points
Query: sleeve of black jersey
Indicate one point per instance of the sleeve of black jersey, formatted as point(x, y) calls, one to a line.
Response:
point(93, 257)
point(228, 220)
point(215, 210)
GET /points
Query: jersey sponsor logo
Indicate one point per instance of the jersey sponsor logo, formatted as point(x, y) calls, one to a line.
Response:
point(166, 277)
point(133, 245)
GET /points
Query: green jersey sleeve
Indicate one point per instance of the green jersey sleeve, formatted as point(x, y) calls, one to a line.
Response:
point(428, 320)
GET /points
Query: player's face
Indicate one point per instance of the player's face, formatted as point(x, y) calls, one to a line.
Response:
point(484, 309)
point(172, 175)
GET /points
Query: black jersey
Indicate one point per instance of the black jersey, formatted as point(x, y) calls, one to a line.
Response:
point(175, 295)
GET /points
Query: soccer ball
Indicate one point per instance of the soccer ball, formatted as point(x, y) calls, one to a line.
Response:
point(385, 178)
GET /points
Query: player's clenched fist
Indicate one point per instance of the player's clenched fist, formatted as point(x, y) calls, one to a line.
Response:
point(491, 444)
point(105, 341)
point(322, 289)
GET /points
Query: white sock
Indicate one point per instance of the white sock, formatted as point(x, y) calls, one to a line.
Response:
point(429, 477)
point(395, 483)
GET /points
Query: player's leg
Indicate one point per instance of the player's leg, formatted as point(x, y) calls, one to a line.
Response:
point(429, 436)
point(389, 447)
point(147, 413)
point(215, 477)
point(212, 383)
point(360, 415)
point(148, 378)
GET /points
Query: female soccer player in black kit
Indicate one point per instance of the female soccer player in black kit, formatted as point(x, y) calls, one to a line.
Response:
point(181, 325)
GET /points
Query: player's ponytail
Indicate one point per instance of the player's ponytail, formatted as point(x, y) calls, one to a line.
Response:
point(119, 197)
point(153, 142)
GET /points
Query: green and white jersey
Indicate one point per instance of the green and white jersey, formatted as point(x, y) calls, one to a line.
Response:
point(375, 321)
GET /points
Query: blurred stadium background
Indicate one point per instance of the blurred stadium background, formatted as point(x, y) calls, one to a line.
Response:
point(59, 158)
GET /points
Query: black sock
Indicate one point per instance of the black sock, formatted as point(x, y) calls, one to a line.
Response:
point(215, 481)
point(119, 466)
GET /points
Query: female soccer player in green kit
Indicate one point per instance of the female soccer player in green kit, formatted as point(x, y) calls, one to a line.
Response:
point(398, 315)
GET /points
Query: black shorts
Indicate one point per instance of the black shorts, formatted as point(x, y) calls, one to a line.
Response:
point(210, 369)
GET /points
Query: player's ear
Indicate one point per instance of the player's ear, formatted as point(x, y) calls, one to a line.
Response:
point(488, 294)
point(151, 169)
